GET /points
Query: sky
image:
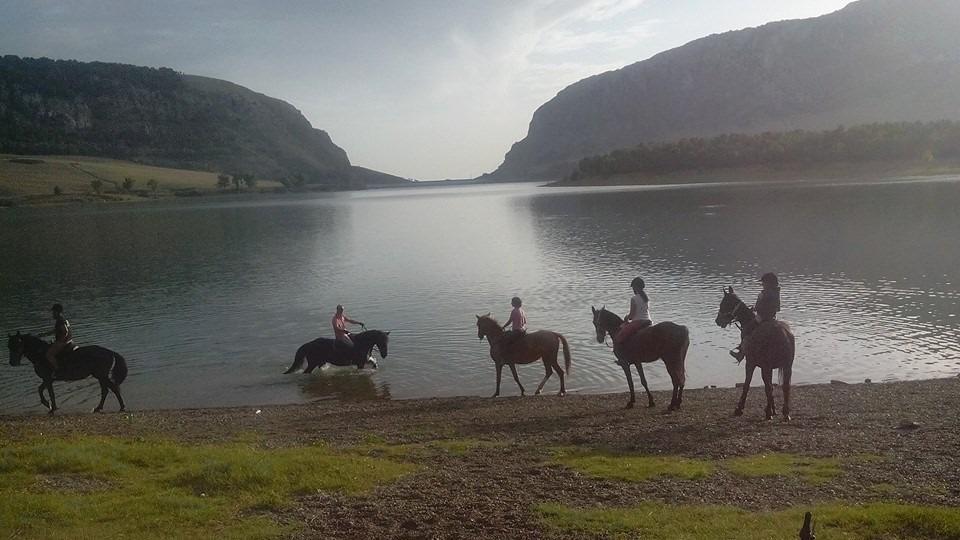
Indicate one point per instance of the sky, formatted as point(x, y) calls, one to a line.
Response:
point(425, 89)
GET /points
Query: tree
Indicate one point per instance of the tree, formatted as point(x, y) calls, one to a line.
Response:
point(250, 181)
point(97, 185)
point(237, 181)
point(57, 191)
point(128, 184)
point(223, 181)
point(153, 185)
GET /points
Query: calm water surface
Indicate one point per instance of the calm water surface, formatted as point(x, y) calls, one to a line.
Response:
point(208, 301)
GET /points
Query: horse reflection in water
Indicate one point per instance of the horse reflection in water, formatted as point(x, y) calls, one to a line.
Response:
point(344, 386)
point(527, 349)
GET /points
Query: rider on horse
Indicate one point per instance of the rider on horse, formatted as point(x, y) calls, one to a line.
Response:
point(766, 308)
point(340, 331)
point(62, 335)
point(519, 321)
point(639, 316)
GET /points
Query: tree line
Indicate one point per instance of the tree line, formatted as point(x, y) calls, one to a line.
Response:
point(905, 141)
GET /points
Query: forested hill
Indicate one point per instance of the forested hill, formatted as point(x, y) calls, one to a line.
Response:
point(873, 61)
point(159, 117)
point(902, 143)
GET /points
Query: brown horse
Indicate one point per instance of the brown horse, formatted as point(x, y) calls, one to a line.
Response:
point(534, 346)
point(667, 341)
point(769, 346)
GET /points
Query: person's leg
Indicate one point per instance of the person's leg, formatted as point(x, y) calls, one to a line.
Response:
point(52, 353)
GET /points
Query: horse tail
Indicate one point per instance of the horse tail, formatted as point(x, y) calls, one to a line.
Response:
point(786, 372)
point(297, 360)
point(119, 371)
point(684, 345)
point(566, 353)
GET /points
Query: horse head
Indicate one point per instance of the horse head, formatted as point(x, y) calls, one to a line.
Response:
point(16, 346)
point(369, 339)
point(380, 339)
point(605, 322)
point(486, 326)
point(729, 308)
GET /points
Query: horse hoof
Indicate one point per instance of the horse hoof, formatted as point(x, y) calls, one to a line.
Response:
point(652, 405)
point(629, 405)
point(122, 409)
point(786, 418)
point(97, 410)
point(561, 394)
point(51, 411)
point(738, 412)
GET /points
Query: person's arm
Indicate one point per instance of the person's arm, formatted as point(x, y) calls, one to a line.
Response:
point(351, 321)
point(633, 311)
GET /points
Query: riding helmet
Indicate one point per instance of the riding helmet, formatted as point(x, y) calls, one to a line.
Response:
point(771, 278)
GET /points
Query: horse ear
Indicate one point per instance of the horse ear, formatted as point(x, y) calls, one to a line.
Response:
point(731, 290)
point(478, 317)
point(487, 315)
point(593, 309)
point(387, 333)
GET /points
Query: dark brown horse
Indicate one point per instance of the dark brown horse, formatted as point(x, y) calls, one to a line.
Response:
point(769, 346)
point(108, 367)
point(534, 346)
point(665, 341)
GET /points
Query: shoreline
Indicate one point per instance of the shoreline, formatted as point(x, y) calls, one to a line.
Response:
point(513, 467)
point(871, 173)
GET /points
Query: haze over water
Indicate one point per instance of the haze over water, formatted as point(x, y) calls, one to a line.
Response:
point(208, 301)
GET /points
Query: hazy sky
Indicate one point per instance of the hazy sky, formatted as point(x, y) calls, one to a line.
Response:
point(421, 88)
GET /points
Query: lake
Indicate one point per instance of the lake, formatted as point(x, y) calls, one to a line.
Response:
point(209, 300)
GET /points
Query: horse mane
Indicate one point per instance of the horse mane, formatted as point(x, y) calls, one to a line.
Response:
point(606, 313)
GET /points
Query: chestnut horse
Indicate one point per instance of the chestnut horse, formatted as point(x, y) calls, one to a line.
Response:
point(667, 341)
point(769, 346)
point(534, 346)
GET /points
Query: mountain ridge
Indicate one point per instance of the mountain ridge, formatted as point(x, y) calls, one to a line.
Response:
point(872, 61)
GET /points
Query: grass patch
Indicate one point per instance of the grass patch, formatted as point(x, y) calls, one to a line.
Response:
point(660, 521)
point(160, 489)
point(630, 467)
point(814, 470)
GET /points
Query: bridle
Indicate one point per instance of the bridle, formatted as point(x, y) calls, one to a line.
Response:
point(733, 313)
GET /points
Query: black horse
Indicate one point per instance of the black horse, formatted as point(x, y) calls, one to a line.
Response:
point(327, 351)
point(769, 346)
point(108, 367)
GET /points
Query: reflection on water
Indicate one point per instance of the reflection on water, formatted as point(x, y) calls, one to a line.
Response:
point(208, 301)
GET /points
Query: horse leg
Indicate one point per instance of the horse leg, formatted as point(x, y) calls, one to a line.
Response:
point(767, 375)
point(563, 376)
point(746, 387)
point(626, 371)
point(116, 391)
point(643, 381)
point(53, 399)
point(312, 366)
point(513, 371)
point(103, 394)
point(549, 371)
point(43, 399)
point(499, 369)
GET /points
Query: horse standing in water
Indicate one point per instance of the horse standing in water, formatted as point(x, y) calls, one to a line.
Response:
point(667, 341)
point(769, 346)
point(108, 367)
point(328, 351)
point(533, 346)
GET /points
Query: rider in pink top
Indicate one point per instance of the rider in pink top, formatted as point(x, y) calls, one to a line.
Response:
point(340, 331)
point(518, 319)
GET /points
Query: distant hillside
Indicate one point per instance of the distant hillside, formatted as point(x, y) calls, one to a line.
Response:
point(873, 61)
point(160, 117)
point(872, 148)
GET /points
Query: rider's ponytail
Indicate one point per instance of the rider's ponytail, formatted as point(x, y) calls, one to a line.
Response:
point(637, 284)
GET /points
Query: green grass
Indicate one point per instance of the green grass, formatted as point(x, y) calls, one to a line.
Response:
point(632, 468)
point(813, 470)
point(73, 175)
point(160, 489)
point(678, 522)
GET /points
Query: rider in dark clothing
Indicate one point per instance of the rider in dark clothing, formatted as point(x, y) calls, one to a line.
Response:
point(766, 308)
point(63, 337)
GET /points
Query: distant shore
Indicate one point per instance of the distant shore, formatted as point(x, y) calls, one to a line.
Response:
point(868, 172)
point(495, 467)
